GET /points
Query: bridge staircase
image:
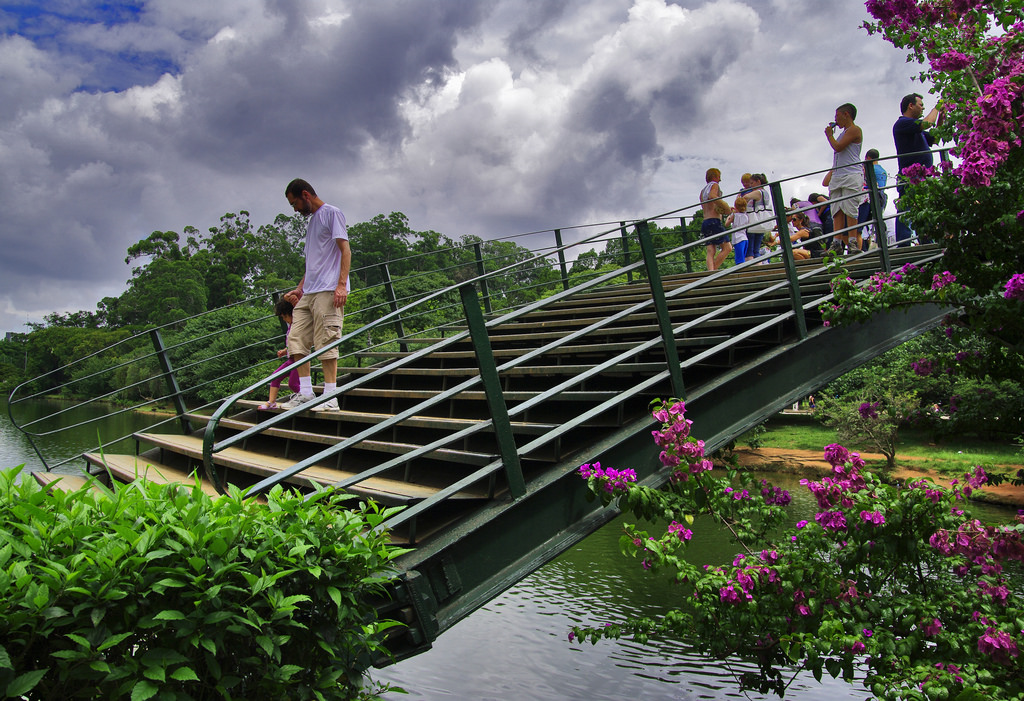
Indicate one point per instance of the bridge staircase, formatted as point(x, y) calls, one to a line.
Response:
point(477, 428)
point(485, 470)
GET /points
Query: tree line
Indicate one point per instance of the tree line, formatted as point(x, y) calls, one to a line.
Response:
point(195, 284)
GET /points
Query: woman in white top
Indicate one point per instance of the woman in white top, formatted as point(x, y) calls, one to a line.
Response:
point(846, 179)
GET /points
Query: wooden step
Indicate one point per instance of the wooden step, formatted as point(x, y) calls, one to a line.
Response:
point(128, 468)
point(478, 396)
point(519, 370)
point(429, 422)
point(571, 350)
point(464, 457)
point(68, 483)
point(381, 489)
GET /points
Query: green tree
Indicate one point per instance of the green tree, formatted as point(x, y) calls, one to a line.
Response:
point(224, 257)
point(164, 291)
point(277, 254)
point(874, 418)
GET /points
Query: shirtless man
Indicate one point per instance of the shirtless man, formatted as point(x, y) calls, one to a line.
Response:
point(719, 247)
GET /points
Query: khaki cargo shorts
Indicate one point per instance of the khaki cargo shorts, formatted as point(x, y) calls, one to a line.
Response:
point(315, 322)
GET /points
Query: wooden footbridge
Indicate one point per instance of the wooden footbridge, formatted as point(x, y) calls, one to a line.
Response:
point(478, 433)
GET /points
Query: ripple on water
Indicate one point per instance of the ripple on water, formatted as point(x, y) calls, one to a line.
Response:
point(516, 647)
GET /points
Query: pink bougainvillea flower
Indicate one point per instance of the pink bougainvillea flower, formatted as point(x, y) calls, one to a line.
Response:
point(1015, 286)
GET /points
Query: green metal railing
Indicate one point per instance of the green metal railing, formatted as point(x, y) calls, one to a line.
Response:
point(159, 366)
point(476, 329)
point(640, 257)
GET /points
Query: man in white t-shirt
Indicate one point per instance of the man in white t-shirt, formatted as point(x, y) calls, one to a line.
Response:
point(320, 296)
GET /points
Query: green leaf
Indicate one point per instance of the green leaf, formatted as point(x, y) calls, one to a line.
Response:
point(113, 640)
point(24, 683)
point(184, 674)
point(170, 615)
point(69, 654)
point(143, 690)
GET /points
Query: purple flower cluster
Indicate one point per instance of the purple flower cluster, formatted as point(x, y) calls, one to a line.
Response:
point(981, 546)
point(678, 446)
point(943, 279)
point(952, 669)
point(931, 628)
point(992, 134)
point(873, 517)
point(742, 583)
point(869, 410)
point(1015, 287)
point(923, 367)
point(831, 520)
point(774, 496)
point(916, 173)
point(835, 490)
point(998, 644)
point(612, 480)
point(682, 532)
point(951, 61)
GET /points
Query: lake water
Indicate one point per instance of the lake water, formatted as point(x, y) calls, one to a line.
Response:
point(516, 647)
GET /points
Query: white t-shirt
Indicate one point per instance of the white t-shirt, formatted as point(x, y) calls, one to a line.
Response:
point(739, 219)
point(323, 258)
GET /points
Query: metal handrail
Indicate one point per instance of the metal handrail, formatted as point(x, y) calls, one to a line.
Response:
point(543, 256)
point(211, 446)
point(18, 396)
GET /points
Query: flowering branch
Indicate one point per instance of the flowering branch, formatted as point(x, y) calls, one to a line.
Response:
point(821, 595)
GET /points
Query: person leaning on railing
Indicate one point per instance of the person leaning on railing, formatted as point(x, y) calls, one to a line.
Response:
point(913, 145)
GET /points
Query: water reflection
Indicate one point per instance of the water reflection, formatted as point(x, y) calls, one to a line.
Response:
point(516, 646)
point(15, 447)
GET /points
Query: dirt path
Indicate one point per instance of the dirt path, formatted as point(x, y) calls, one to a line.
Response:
point(812, 462)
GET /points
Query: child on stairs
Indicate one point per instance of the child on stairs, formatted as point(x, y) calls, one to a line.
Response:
point(284, 312)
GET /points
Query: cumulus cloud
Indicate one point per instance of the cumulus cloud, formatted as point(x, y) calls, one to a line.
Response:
point(486, 117)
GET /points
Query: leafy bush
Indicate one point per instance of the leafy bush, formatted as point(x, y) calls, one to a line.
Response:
point(159, 591)
point(895, 586)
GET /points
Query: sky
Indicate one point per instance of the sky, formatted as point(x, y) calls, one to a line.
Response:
point(483, 117)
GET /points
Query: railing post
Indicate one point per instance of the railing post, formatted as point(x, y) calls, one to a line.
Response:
point(625, 251)
point(686, 240)
point(561, 259)
point(172, 381)
point(875, 201)
point(481, 271)
point(492, 390)
point(675, 369)
point(787, 259)
point(389, 290)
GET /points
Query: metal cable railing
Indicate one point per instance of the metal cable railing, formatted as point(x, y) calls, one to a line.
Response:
point(419, 314)
point(119, 396)
point(791, 282)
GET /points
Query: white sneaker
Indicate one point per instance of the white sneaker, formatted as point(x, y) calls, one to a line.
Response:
point(298, 400)
point(329, 405)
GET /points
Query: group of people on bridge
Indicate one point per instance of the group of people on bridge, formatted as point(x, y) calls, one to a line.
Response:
point(748, 228)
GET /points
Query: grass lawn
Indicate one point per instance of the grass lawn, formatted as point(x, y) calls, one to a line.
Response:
point(953, 455)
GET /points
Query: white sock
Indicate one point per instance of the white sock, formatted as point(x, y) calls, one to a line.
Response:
point(330, 387)
point(305, 385)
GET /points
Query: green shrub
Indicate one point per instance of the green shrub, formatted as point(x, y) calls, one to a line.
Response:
point(159, 591)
